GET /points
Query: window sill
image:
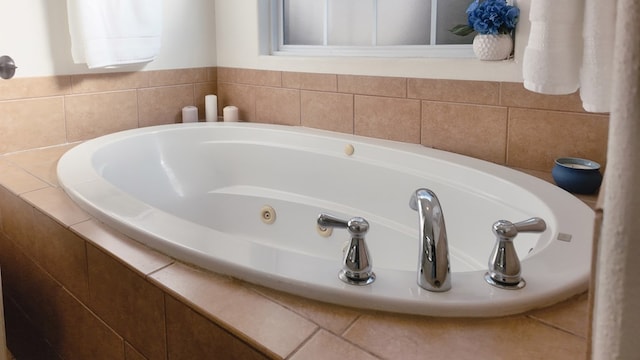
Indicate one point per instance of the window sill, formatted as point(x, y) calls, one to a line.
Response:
point(439, 51)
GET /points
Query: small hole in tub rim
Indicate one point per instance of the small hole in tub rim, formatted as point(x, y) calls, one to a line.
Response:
point(570, 162)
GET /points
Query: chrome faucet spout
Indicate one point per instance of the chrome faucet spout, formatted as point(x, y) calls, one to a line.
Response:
point(433, 259)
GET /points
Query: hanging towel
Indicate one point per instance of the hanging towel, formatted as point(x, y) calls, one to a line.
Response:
point(111, 33)
point(553, 55)
point(597, 60)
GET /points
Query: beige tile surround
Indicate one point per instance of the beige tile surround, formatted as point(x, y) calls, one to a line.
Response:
point(91, 292)
point(74, 277)
point(495, 121)
point(40, 112)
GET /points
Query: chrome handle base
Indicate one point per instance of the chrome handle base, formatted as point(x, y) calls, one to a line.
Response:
point(357, 268)
point(504, 264)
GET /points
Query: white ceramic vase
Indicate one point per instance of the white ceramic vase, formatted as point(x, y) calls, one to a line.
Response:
point(492, 47)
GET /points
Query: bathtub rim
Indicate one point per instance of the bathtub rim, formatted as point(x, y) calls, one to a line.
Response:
point(443, 304)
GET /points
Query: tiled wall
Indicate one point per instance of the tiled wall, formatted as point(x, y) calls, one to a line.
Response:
point(83, 292)
point(39, 112)
point(498, 122)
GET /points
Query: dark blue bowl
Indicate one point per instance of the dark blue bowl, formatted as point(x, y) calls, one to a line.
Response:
point(580, 176)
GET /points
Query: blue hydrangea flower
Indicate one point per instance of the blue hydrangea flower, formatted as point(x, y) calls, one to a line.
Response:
point(511, 17)
point(472, 6)
point(492, 16)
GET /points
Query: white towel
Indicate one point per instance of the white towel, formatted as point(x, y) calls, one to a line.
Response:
point(597, 60)
point(111, 33)
point(553, 55)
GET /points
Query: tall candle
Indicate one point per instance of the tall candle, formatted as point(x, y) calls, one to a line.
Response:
point(211, 107)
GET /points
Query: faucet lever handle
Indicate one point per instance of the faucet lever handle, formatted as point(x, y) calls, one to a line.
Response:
point(504, 264)
point(357, 226)
point(507, 230)
point(534, 224)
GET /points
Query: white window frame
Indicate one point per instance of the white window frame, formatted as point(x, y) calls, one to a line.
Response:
point(401, 51)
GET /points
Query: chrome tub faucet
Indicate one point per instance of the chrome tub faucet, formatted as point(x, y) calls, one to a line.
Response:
point(433, 260)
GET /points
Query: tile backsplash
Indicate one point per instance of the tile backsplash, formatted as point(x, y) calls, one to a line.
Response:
point(499, 122)
point(45, 111)
point(495, 121)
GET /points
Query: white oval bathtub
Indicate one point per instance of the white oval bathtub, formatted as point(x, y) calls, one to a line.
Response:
point(195, 192)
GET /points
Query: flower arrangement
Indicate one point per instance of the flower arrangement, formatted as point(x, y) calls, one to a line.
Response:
point(489, 17)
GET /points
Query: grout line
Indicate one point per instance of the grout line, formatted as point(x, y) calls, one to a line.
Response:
point(554, 326)
point(507, 137)
point(137, 107)
point(353, 114)
point(422, 120)
point(299, 106)
point(351, 325)
point(149, 274)
point(64, 116)
point(303, 343)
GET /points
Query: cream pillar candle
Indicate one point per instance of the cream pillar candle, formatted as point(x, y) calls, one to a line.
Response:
point(189, 114)
point(211, 107)
point(230, 113)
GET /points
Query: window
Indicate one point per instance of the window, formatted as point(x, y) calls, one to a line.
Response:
point(370, 27)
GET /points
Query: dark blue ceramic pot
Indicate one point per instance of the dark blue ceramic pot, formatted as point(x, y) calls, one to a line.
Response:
point(580, 176)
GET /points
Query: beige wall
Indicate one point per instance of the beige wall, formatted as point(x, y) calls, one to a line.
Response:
point(242, 37)
point(36, 34)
